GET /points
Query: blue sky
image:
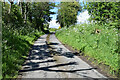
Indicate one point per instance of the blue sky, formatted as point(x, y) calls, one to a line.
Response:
point(81, 18)
point(53, 23)
point(54, 10)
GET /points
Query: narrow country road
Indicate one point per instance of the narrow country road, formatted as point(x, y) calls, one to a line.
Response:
point(61, 64)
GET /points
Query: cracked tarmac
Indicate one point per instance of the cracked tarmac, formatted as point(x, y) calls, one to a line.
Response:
point(42, 64)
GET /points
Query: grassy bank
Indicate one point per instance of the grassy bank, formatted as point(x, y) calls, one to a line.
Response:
point(99, 42)
point(15, 48)
point(52, 29)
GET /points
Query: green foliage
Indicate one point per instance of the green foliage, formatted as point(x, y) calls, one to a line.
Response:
point(52, 29)
point(18, 34)
point(67, 13)
point(41, 14)
point(14, 15)
point(102, 46)
point(15, 47)
point(36, 13)
point(104, 12)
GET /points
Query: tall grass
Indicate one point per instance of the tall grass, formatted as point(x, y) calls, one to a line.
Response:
point(97, 41)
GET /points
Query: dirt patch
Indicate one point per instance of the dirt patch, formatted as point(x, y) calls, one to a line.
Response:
point(103, 69)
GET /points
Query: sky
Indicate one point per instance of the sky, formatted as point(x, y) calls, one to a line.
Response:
point(81, 17)
point(52, 23)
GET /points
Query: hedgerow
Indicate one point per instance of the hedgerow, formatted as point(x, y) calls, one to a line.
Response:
point(16, 44)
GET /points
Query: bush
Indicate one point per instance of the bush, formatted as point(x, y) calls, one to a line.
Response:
point(15, 48)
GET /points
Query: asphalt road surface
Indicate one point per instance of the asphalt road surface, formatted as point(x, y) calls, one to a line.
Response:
point(61, 64)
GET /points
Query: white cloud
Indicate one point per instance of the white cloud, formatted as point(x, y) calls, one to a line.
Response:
point(83, 17)
point(53, 24)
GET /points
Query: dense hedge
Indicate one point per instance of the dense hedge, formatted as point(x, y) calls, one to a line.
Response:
point(98, 42)
point(104, 12)
point(16, 44)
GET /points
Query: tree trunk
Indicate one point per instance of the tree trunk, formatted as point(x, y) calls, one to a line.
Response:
point(25, 13)
point(20, 4)
point(61, 25)
point(11, 3)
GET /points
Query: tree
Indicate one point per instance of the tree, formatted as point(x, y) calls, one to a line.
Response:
point(23, 13)
point(104, 12)
point(41, 14)
point(67, 13)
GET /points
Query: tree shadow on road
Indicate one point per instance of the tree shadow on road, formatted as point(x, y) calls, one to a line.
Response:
point(53, 70)
point(42, 54)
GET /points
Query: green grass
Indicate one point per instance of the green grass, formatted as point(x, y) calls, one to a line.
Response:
point(101, 46)
point(52, 29)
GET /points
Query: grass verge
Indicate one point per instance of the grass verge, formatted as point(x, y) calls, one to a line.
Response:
point(96, 41)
